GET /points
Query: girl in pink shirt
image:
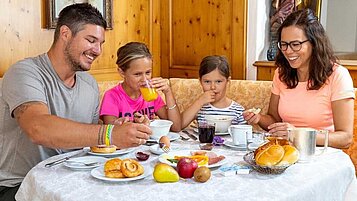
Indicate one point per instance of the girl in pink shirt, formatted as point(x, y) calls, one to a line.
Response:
point(120, 103)
point(309, 88)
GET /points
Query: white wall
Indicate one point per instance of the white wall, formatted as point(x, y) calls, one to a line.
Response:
point(339, 18)
point(341, 24)
point(257, 34)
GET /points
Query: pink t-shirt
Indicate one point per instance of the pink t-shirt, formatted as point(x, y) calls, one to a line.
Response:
point(117, 103)
point(313, 108)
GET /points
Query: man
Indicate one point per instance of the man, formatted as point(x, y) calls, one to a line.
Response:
point(48, 103)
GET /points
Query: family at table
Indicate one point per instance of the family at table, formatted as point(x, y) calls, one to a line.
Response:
point(49, 105)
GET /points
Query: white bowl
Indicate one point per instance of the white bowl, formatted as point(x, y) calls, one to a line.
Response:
point(222, 122)
point(160, 127)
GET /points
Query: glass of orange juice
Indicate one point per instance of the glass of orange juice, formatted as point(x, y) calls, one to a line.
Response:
point(147, 91)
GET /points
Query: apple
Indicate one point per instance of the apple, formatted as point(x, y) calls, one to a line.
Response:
point(186, 167)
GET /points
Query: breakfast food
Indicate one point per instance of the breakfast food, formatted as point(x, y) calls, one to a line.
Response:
point(103, 149)
point(117, 168)
point(277, 152)
point(131, 168)
point(112, 168)
point(254, 110)
point(165, 141)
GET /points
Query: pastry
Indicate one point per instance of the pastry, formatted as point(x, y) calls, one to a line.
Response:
point(112, 168)
point(131, 168)
point(103, 149)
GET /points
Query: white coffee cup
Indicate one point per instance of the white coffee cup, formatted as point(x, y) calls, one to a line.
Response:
point(249, 129)
point(239, 134)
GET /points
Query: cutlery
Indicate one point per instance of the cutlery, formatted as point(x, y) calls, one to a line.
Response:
point(83, 163)
point(190, 135)
point(164, 147)
point(59, 161)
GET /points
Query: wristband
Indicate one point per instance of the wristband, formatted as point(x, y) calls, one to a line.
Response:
point(108, 134)
point(171, 108)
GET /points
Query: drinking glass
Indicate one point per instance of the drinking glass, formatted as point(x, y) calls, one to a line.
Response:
point(206, 132)
point(147, 91)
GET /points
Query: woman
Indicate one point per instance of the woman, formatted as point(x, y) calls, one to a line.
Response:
point(124, 100)
point(310, 89)
point(214, 74)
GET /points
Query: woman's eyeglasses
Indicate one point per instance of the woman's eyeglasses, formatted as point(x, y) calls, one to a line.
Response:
point(294, 45)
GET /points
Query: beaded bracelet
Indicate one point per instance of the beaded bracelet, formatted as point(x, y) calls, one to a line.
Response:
point(100, 133)
point(171, 108)
point(108, 134)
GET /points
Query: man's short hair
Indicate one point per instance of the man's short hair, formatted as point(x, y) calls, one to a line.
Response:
point(75, 16)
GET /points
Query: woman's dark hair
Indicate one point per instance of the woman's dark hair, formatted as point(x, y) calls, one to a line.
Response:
point(322, 56)
point(210, 63)
point(75, 16)
point(130, 52)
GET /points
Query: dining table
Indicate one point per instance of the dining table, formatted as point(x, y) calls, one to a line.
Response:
point(329, 176)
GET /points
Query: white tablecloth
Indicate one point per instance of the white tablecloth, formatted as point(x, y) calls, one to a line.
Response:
point(328, 177)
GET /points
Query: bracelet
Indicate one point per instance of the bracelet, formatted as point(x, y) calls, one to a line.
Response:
point(108, 134)
point(171, 108)
point(100, 132)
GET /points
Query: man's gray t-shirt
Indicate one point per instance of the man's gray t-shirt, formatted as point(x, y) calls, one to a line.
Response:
point(34, 79)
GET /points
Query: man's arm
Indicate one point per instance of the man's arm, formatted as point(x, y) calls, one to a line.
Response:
point(56, 132)
point(53, 131)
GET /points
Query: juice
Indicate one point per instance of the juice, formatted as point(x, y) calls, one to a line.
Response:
point(206, 133)
point(149, 94)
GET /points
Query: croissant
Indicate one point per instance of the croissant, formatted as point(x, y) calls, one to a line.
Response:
point(112, 168)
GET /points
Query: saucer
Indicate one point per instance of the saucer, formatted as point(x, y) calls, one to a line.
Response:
point(172, 136)
point(231, 145)
point(155, 149)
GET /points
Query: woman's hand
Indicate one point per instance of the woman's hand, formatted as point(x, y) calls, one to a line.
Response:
point(280, 129)
point(251, 117)
point(161, 84)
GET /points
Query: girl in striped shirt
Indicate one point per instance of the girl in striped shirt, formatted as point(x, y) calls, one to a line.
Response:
point(214, 75)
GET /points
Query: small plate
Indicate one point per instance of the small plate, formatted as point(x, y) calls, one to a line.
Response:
point(218, 134)
point(99, 174)
point(116, 153)
point(155, 149)
point(231, 145)
point(71, 163)
point(172, 136)
point(163, 158)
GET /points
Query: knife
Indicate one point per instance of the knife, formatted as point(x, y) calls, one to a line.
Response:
point(59, 161)
point(190, 135)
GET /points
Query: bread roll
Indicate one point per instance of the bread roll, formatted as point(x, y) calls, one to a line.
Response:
point(270, 156)
point(290, 157)
point(112, 168)
point(131, 168)
point(277, 152)
point(103, 149)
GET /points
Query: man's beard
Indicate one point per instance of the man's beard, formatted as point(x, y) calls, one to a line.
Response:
point(75, 65)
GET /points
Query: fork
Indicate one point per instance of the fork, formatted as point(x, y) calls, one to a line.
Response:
point(164, 147)
point(83, 163)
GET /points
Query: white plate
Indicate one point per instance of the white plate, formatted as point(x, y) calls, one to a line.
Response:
point(163, 158)
point(99, 174)
point(116, 153)
point(172, 136)
point(71, 163)
point(231, 145)
point(218, 134)
point(155, 149)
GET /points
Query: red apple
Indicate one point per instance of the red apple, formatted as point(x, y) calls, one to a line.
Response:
point(186, 167)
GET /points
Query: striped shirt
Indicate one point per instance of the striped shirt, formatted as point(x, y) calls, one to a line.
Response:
point(235, 110)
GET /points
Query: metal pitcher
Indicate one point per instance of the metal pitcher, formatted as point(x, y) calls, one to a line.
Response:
point(304, 139)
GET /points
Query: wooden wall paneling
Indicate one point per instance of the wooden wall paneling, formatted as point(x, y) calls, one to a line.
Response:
point(22, 36)
point(239, 39)
point(131, 22)
point(165, 37)
point(196, 29)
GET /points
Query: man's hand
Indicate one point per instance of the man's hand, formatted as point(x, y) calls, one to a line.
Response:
point(130, 135)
